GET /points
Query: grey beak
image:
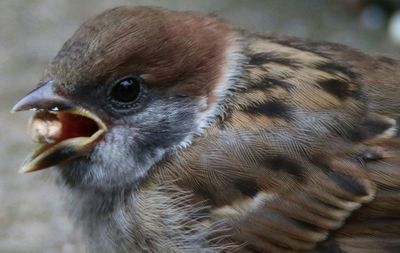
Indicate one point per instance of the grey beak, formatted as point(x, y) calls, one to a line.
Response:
point(42, 98)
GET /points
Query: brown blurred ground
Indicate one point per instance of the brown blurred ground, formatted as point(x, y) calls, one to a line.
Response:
point(31, 31)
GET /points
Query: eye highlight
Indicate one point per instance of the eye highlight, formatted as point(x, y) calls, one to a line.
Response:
point(126, 90)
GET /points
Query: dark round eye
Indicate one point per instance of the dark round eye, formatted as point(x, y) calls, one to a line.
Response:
point(126, 90)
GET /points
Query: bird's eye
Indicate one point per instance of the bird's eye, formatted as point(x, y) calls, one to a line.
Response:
point(126, 90)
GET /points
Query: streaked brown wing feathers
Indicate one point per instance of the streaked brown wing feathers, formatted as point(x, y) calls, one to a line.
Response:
point(305, 158)
point(348, 199)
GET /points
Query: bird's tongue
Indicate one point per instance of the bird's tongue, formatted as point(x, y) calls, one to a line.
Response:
point(52, 128)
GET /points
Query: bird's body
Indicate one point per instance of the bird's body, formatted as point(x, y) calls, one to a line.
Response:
point(242, 142)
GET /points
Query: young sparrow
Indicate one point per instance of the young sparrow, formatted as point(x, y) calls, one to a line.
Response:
point(177, 132)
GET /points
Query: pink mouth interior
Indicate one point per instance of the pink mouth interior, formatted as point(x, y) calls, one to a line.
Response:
point(51, 128)
point(76, 126)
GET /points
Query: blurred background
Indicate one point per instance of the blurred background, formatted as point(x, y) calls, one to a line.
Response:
point(31, 32)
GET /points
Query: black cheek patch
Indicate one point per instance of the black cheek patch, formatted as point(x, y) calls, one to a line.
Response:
point(273, 109)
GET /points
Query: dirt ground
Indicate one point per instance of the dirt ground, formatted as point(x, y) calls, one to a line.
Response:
point(31, 31)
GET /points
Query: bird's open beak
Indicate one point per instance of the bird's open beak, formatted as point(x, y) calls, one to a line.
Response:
point(64, 130)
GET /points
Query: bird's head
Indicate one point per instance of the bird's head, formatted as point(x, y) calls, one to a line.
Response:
point(131, 85)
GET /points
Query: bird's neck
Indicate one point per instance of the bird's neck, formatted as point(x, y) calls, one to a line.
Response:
point(111, 220)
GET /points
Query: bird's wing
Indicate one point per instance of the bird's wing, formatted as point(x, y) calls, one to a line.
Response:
point(306, 158)
point(375, 227)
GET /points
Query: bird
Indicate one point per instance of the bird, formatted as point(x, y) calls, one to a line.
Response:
point(176, 131)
